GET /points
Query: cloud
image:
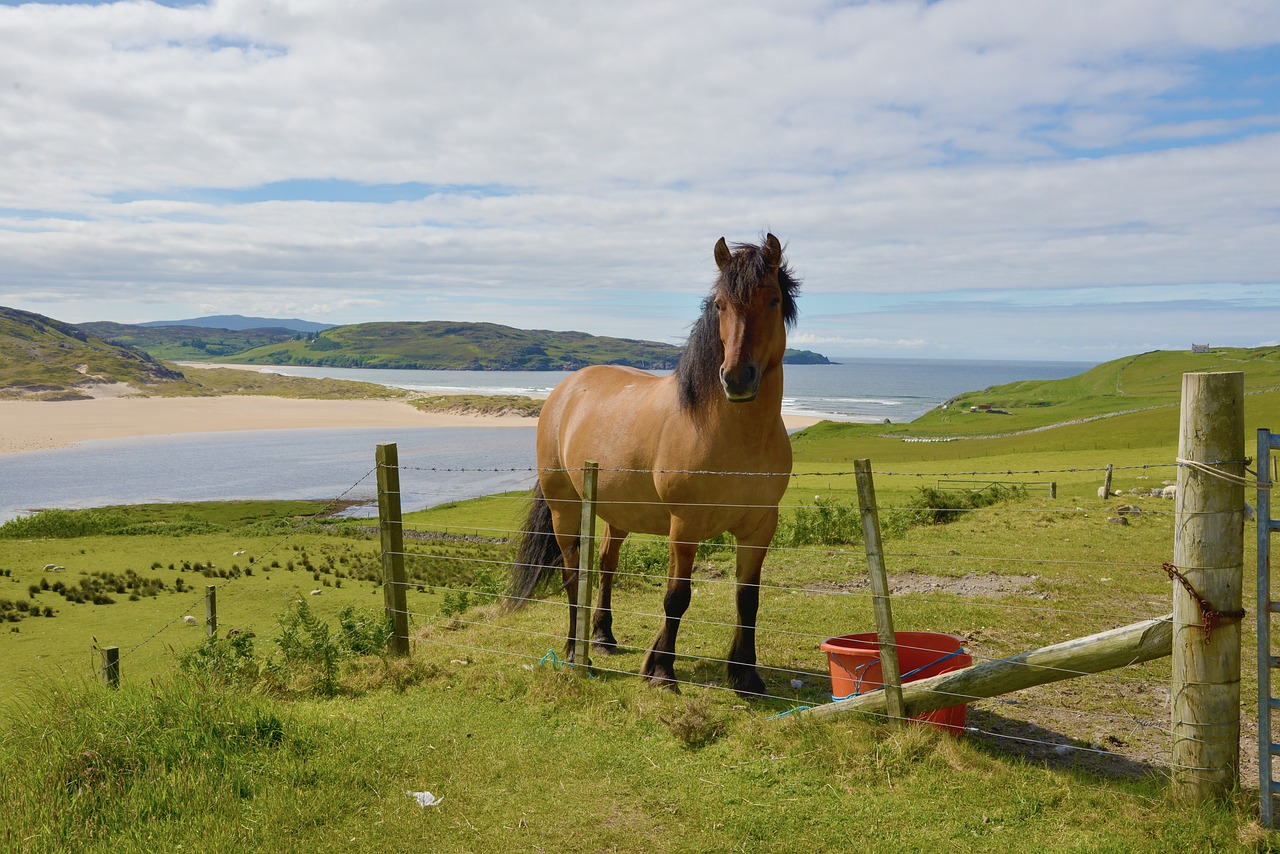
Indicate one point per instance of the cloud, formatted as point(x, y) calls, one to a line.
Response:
point(552, 165)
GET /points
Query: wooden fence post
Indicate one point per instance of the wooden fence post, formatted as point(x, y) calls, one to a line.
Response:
point(211, 611)
point(890, 675)
point(111, 666)
point(391, 527)
point(1105, 492)
point(1208, 575)
point(586, 568)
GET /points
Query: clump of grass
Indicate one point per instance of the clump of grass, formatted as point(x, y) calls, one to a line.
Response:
point(696, 723)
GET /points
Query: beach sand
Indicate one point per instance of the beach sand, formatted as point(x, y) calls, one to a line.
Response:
point(38, 425)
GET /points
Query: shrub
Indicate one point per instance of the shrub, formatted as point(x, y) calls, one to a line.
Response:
point(827, 523)
point(228, 661)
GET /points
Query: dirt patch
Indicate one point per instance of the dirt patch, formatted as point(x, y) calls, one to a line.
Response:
point(991, 585)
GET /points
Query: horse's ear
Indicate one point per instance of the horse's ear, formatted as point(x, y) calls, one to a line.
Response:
point(722, 254)
point(773, 250)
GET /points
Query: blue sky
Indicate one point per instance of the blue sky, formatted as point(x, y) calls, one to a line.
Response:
point(966, 178)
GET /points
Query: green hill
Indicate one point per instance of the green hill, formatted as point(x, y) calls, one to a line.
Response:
point(1133, 383)
point(434, 345)
point(187, 342)
point(48, 359)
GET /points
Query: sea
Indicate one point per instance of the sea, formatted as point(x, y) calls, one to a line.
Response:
point(439, 464)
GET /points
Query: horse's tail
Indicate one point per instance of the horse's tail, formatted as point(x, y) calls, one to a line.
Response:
point(537, 553)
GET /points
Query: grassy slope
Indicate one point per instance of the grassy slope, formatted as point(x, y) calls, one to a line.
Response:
point(1135, 382)
point(42, 357)
point(470, 346)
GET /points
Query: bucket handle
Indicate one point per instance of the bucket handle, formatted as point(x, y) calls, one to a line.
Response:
point(861, 669)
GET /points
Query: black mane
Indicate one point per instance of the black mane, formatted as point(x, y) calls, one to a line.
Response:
point(698, 372)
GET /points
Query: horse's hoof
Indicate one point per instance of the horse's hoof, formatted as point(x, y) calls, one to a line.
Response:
point(605, 647)
point(747, 685)
point(665, 683)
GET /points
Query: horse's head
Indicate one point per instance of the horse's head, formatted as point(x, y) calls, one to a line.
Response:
point(754, 304)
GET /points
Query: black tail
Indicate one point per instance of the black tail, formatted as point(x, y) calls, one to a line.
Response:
point(537, 553)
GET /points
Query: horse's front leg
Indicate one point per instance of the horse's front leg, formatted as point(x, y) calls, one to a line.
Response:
point(602, 639)
point(659, 665)
point(752, 547)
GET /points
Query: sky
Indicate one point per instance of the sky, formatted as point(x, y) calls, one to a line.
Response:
point(993, 179)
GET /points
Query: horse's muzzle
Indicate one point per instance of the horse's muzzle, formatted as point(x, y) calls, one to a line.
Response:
point(742, 384)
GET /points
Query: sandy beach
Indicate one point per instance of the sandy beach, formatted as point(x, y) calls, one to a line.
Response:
point(38, 425)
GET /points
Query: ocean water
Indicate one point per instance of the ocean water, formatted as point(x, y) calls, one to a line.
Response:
point(856, 389)
point(455, 463)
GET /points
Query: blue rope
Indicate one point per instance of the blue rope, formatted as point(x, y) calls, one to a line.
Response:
point(557, 661)
point(788, 712)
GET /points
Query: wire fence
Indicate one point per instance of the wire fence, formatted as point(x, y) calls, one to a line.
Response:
point(534, 640)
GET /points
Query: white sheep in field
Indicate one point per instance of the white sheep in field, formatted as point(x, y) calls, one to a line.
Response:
point(1170, 491)
point(190, 620)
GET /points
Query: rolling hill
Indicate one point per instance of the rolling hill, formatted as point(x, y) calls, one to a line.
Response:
point(188, 342)
point(47, 359)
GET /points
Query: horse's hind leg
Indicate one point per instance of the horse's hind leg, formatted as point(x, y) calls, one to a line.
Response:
point(565, 517)
point(660, 662)
point(602, 639)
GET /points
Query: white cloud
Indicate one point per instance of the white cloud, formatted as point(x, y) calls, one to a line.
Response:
point(586, 155)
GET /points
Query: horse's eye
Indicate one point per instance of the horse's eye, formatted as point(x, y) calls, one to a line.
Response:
point(775, 302)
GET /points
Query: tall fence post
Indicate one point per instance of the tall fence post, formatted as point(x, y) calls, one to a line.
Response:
point(1208, 576)
point(211, 611)
point(1267, 748)
point(890, 675)
point(586, 569)
point(391, 527)
point(111, 666)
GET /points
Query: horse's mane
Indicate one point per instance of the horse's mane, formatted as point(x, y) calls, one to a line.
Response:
point(697, 373)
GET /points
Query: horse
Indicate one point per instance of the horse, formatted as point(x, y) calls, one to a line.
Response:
point(690, 455)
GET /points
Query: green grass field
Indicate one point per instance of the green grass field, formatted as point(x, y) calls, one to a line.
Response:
point(241, 751)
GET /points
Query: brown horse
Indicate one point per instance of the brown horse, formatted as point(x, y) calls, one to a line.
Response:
point(690, 455)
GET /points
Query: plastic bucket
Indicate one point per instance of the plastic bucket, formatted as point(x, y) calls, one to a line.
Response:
point(855, 667)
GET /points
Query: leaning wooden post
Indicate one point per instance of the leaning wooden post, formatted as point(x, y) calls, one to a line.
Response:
point(111, 666)
point(1208, 555)
point(394, 582)
point(1105, 492)
point(890, 675)
point(1122, 647)
point(586, 567)
point(211, 611)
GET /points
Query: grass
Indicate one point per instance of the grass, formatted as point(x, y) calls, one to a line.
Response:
point(528, 756)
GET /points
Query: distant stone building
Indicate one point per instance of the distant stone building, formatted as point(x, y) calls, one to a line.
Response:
point(1199, 348)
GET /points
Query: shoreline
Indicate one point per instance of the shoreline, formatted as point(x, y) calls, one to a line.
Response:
point(35, 425)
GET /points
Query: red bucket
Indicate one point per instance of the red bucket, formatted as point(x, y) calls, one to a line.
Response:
point(855, 667)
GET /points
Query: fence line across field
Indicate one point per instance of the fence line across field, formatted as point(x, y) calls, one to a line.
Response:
point(777, 588)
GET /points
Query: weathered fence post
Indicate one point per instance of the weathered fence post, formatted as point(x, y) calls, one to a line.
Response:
point(111, 666)
point(211, 611)
point(586, 568)
point(391, 527)
point(1105, 491)
point(890, 675)
point(1208, 575)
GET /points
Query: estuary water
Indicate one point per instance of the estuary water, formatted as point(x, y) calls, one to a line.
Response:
point(856, 389)
point(450, 463)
